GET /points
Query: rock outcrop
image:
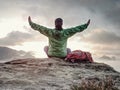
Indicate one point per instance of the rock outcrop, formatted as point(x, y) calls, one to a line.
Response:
point(51, 74)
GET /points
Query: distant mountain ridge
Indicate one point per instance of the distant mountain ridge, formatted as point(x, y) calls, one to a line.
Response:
point(107, 57)
point(8, 53)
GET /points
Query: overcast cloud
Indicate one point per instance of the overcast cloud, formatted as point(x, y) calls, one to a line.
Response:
point(104, 15)
point(99, 36)
point(73, 11)
point(18, 38)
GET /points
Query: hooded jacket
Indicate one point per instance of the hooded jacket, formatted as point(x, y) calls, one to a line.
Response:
point(57, 38)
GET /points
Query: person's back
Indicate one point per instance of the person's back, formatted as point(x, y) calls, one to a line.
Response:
point(57, 37)
point(57, 44)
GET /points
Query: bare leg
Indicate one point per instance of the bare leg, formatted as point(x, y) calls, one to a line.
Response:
point(68, 51)
point(46, 50)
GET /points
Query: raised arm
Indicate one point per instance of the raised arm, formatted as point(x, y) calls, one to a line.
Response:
point(39, 28)
point(71, 31)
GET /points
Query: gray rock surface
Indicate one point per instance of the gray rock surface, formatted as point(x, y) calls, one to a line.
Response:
point(51, 74)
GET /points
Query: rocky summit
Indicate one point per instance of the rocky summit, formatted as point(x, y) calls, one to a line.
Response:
point(51, 74)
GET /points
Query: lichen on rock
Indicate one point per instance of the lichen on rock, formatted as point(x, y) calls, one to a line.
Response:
point(51, 74)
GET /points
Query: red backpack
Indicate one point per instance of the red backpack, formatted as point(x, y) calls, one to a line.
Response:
point(79, 56)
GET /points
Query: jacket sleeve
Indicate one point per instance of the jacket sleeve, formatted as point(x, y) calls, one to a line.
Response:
point(43, 30)
point(71, 31)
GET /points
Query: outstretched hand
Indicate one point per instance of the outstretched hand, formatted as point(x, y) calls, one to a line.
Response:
point(88, 22)
point(29, 19)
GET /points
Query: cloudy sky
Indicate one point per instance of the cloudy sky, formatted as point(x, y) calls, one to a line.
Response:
point(101, 38)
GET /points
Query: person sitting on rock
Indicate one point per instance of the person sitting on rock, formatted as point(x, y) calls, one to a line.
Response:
point(57, 37)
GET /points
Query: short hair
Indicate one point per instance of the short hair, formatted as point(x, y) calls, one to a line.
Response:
point(58, 19)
